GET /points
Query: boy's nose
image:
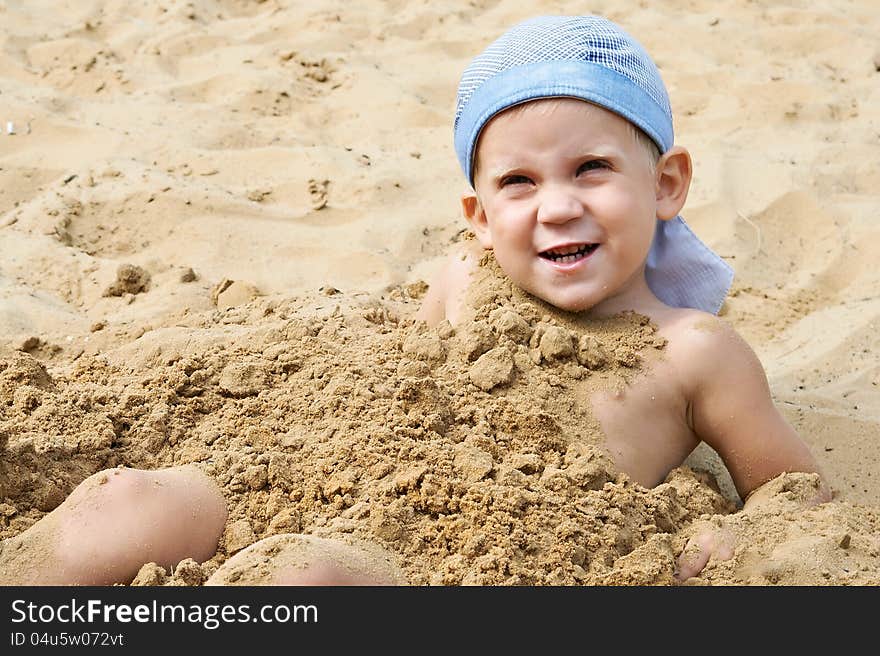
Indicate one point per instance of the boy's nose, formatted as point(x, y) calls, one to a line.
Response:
point(559, 206)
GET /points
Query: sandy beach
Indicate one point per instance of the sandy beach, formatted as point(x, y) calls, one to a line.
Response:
point(217, 218)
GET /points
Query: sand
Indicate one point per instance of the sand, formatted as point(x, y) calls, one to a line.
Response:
point(217, 218)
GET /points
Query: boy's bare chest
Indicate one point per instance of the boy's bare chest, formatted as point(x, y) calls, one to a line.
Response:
point(645, 424)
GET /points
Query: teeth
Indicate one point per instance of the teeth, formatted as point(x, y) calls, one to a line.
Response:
point(569, 253)
point(570, 250)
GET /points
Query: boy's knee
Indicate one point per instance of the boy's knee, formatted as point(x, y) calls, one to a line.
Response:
point(298, 559)
point(115, 486)
point(330, 573)
point(176, 490)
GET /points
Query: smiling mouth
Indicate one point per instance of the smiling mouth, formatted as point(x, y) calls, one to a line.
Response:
point(569, 253)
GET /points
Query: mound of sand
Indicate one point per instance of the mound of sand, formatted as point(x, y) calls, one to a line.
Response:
point(470, 455)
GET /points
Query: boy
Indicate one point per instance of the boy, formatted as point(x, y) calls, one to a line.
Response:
point(564, 131)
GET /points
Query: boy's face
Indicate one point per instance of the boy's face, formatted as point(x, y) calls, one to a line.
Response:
point(566, 197)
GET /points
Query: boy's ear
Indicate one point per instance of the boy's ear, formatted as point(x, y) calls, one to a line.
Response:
point(674, 172)
point(476, 217)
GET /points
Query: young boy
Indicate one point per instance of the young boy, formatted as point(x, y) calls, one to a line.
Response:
point(564, 131)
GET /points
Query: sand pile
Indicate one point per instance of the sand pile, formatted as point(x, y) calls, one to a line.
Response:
point(470, 454)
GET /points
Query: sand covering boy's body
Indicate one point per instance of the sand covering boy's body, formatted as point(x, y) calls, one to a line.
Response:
point(564, 132)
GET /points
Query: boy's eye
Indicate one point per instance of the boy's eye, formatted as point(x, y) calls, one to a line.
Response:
point(514, 180)
point(592, 165)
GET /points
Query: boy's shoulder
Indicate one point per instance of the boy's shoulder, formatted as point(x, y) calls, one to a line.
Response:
point(694, 333)
point(706, 351)
point(448, 287)
point(694, 323)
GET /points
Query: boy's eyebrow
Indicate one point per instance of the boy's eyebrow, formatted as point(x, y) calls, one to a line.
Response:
point(497, 171)
point(595, 151)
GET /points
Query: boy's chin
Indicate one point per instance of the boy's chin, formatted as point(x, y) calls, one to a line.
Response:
point(576, 304)
point(571, 306)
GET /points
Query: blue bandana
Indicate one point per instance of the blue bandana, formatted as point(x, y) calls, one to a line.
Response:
point(591, 58)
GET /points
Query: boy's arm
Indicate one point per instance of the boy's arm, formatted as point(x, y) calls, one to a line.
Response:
point(732, 410)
